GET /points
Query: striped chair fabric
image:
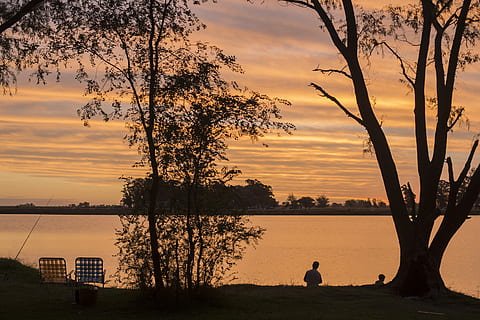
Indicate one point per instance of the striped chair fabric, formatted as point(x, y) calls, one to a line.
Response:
point(89, 270)
point(53, 270)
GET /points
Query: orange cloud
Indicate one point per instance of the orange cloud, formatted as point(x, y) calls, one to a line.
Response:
point(45, 149)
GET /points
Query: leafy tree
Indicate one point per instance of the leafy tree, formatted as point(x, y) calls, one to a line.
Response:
point(224, 238)
point(29, 41)
point(220, 239)
point(306, 202)
point(322, 201)
point(217, 197)
point(442, 34)
point(255, 195)
point(442, 194)
point(17, 50)
point(378, 203)
point(292, 201)
point(169, 91)
point(444, 191)
point(352, 203)
point(10, 17)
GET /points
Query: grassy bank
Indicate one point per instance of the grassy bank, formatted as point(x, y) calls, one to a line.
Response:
point(23, 297)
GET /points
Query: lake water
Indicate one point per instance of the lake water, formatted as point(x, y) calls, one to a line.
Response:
point(352, 250)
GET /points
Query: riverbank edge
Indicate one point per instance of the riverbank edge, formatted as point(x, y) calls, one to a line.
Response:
point(119, 210)
point(20, 284)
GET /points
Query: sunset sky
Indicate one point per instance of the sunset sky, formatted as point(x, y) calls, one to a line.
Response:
point(48, 157)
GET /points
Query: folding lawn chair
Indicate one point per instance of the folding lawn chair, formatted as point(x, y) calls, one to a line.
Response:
point(89, 270)
point(53, 270)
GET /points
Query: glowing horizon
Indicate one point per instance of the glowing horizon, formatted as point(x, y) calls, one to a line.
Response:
point(47, 154)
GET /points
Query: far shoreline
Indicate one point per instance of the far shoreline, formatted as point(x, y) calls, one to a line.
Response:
point(119, 210)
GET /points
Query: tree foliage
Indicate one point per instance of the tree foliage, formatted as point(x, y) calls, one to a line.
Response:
point(441, 34)
point(322, 201)
point(223, 240)
point(139, 65)
point(28, 40)
point(214, 198)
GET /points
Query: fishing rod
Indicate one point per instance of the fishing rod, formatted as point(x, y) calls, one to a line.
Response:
point(31, 230)
point(28, 236)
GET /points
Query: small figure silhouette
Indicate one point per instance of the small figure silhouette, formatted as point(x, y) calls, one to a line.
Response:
point(379, 282)
point(312, 277)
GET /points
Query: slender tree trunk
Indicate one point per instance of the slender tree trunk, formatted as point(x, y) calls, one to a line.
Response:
point(201, 246)
point(152, 229)
point(191, 244)
point(149, 128)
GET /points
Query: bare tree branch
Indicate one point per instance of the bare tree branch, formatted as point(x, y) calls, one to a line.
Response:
point(456, 44)
point(456, 184)
point(470, 195)
point(338, 103)
point(300, 3)
point(332, 31)
point(451, 178)
point(402, 63)
point(330, 71)
point(468, 163)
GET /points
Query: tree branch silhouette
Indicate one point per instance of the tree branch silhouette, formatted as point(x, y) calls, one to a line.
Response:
point(26, 9)
point(325, 94)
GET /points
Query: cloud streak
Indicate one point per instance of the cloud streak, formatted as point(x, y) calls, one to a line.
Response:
point(46, 150)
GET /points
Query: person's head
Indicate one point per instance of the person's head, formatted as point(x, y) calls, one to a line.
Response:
point(381, 277)
point(315, 264)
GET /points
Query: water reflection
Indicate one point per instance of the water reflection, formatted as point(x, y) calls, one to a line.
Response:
point(351, 250)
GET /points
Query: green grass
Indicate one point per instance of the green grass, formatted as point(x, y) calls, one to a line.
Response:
point(23, 297)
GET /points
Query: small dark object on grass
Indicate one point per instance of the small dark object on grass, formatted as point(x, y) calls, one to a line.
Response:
point(86, 296)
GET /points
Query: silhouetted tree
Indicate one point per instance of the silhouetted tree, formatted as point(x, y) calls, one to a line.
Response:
point(443, 35)
point(168, 89)
point(410, 200)
point(322, 201)
point(292, 201)
point(255, 195)
point(216, 197)
point(141, 44)
point(19, 40)
point(12, 14)
point(306, 202)
point(442, 194)
point(219, 237)
point(353, 203)
point(30, 37)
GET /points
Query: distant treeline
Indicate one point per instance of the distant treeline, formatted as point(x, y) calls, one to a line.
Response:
point(220, 197)
point(323, 202)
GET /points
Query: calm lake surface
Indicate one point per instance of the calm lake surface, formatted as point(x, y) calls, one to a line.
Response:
point(352, 250)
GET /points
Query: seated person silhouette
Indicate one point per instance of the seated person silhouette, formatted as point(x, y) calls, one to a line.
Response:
point(381, 279)
point(312, 277)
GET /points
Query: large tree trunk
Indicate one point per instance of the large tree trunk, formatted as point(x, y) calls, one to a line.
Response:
point(418, 277)
point(419, 271)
